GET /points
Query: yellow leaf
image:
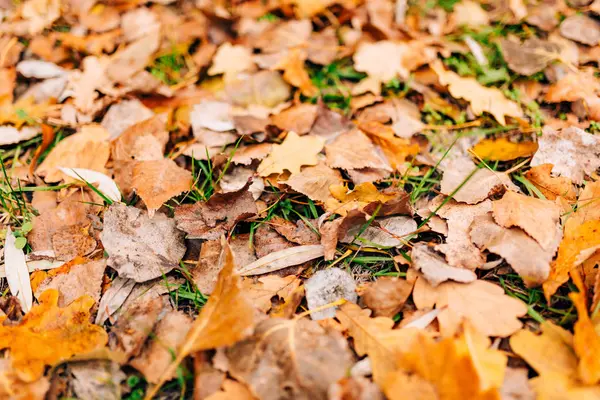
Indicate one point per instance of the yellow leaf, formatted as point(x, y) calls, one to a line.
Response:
point(363, 194)
point(227, 317)
point(292, 154)
point(48, 335)
point(482, 99)
point(24, 111)
point(502, 149)
point(575, 247)
point(454, 368)
point(157, 181)
point(376, 338)
point(295, 74)
point(586, 342)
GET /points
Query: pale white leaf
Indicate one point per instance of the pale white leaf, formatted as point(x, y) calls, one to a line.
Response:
point(17, 273)
point(113, 298)
point(12, 135)
point(39, 69)
point(424, 320)
point(282, 259)
point(105, 185)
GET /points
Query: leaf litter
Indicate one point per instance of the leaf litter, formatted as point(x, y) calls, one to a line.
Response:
point(299, 199)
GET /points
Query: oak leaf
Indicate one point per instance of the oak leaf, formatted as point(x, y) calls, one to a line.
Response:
point(227, 318)
point(482, 99)
point(48, 335)
point(502, 149)
point(295, 152)
point(157, 181)
point(482, 303)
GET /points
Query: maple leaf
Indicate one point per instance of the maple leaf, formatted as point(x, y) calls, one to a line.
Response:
point(454, 368)
point(482, 99)
point(344, 200)
point(157, 181)
point(48, 335)
point(295, 74)
point(502, 149)
point(482, 303)
point(227, 317)
point(292, 154)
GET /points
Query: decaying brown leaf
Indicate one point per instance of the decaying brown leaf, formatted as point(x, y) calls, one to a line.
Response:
point(386, 295)
point(434, 267)
point(295, 152)
point(315, 182)
point(139, 247)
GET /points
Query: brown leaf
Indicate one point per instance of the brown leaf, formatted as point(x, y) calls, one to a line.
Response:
point(314, 182)
point(354, 150)
point(96, 380)
point(482, 303)
point(143, 140)
point(72, 241)
point(226, 319)
point(551, 187)
point(126, 114)
point(582, 29)
point(302, 359)
point(265, 88)
point(155, 357)
point(300, 232)
point(525, 255)
point(210, 219)
point(386, 296)
point(295, 73)
point(15, 389)
point(139, 247)
point(232, 390)
point(529, 57)
point(539, 218)
point(74, 281)
point(157, 181)
point(246, 154)
point(230, 60)
point(89, 149)
point(134, 58)
point(434, 267)
point(263, 289)
point(298, 118)
point(48, 335)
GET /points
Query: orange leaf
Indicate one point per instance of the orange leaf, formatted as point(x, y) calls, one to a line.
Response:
point(502, 149)
point(48, 335)
point(550, 186)
point(586, 342)
point(396, 149)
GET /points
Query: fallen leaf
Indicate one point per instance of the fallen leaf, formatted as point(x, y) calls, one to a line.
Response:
point(386, 296)
point(246, 154)
point(266, 287)
point(530, 260)
point(328, 286)
point(384, 232)
point(298, 118)
point(482, 303)
point(106, 186)
point(133, 58)
point(124, 115)
point(17, 273)
point(539, 218)
point(314, 182)
point(79, 279)
point(96, 380)
point(465, 367)
point(582, 29)
point(434, 267)
point(471, 14)
point(263, 89)
point(516, 385)
point(157, 181)
point(139, 247)
point(282, 259)
point(345, 200)
point(302, 358)
point(295, 73)
point(224, 320)
point(586, 342)
point(155, 357)
point(572, 152)
point(397, 150)
point(12, 388)
point(232, 390)
point(482, 99)
point(213, 115)
point(551, 187)
point(12, 135)
point(113, 298)
point(210, 219)
point(87, 149)
point(231, 60)
point(354, 150)
point(141, 141)
point(292, 154)
point(529, 57)
point(300, 232)
point(502, 149)
point(48, 335)
point(368, 56)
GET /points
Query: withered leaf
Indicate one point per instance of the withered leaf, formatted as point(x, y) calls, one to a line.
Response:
point(529, 57)
point(434, 267)
point(294, 356)
point(295, 152)
point(386, 295)
point(48, 335)
point(354, 150)
point(551, 187)
point(227, 318)
point(582, 29)
point(210, 219)
point(298, 118)
point(139, 247)
point(314, 182)
point(97, 380)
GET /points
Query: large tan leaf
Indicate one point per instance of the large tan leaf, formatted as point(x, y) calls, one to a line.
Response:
point(227, 317)
point(292, 154)
point(157, 181)
point(482, 303)
point(434, 267)
point(314, 182)
point(89, 149)
point(482, 99)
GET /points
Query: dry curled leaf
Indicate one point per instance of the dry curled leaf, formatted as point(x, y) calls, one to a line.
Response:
point(227, 318)
point(434, 267)
point(48, 335)
point(482, 303)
